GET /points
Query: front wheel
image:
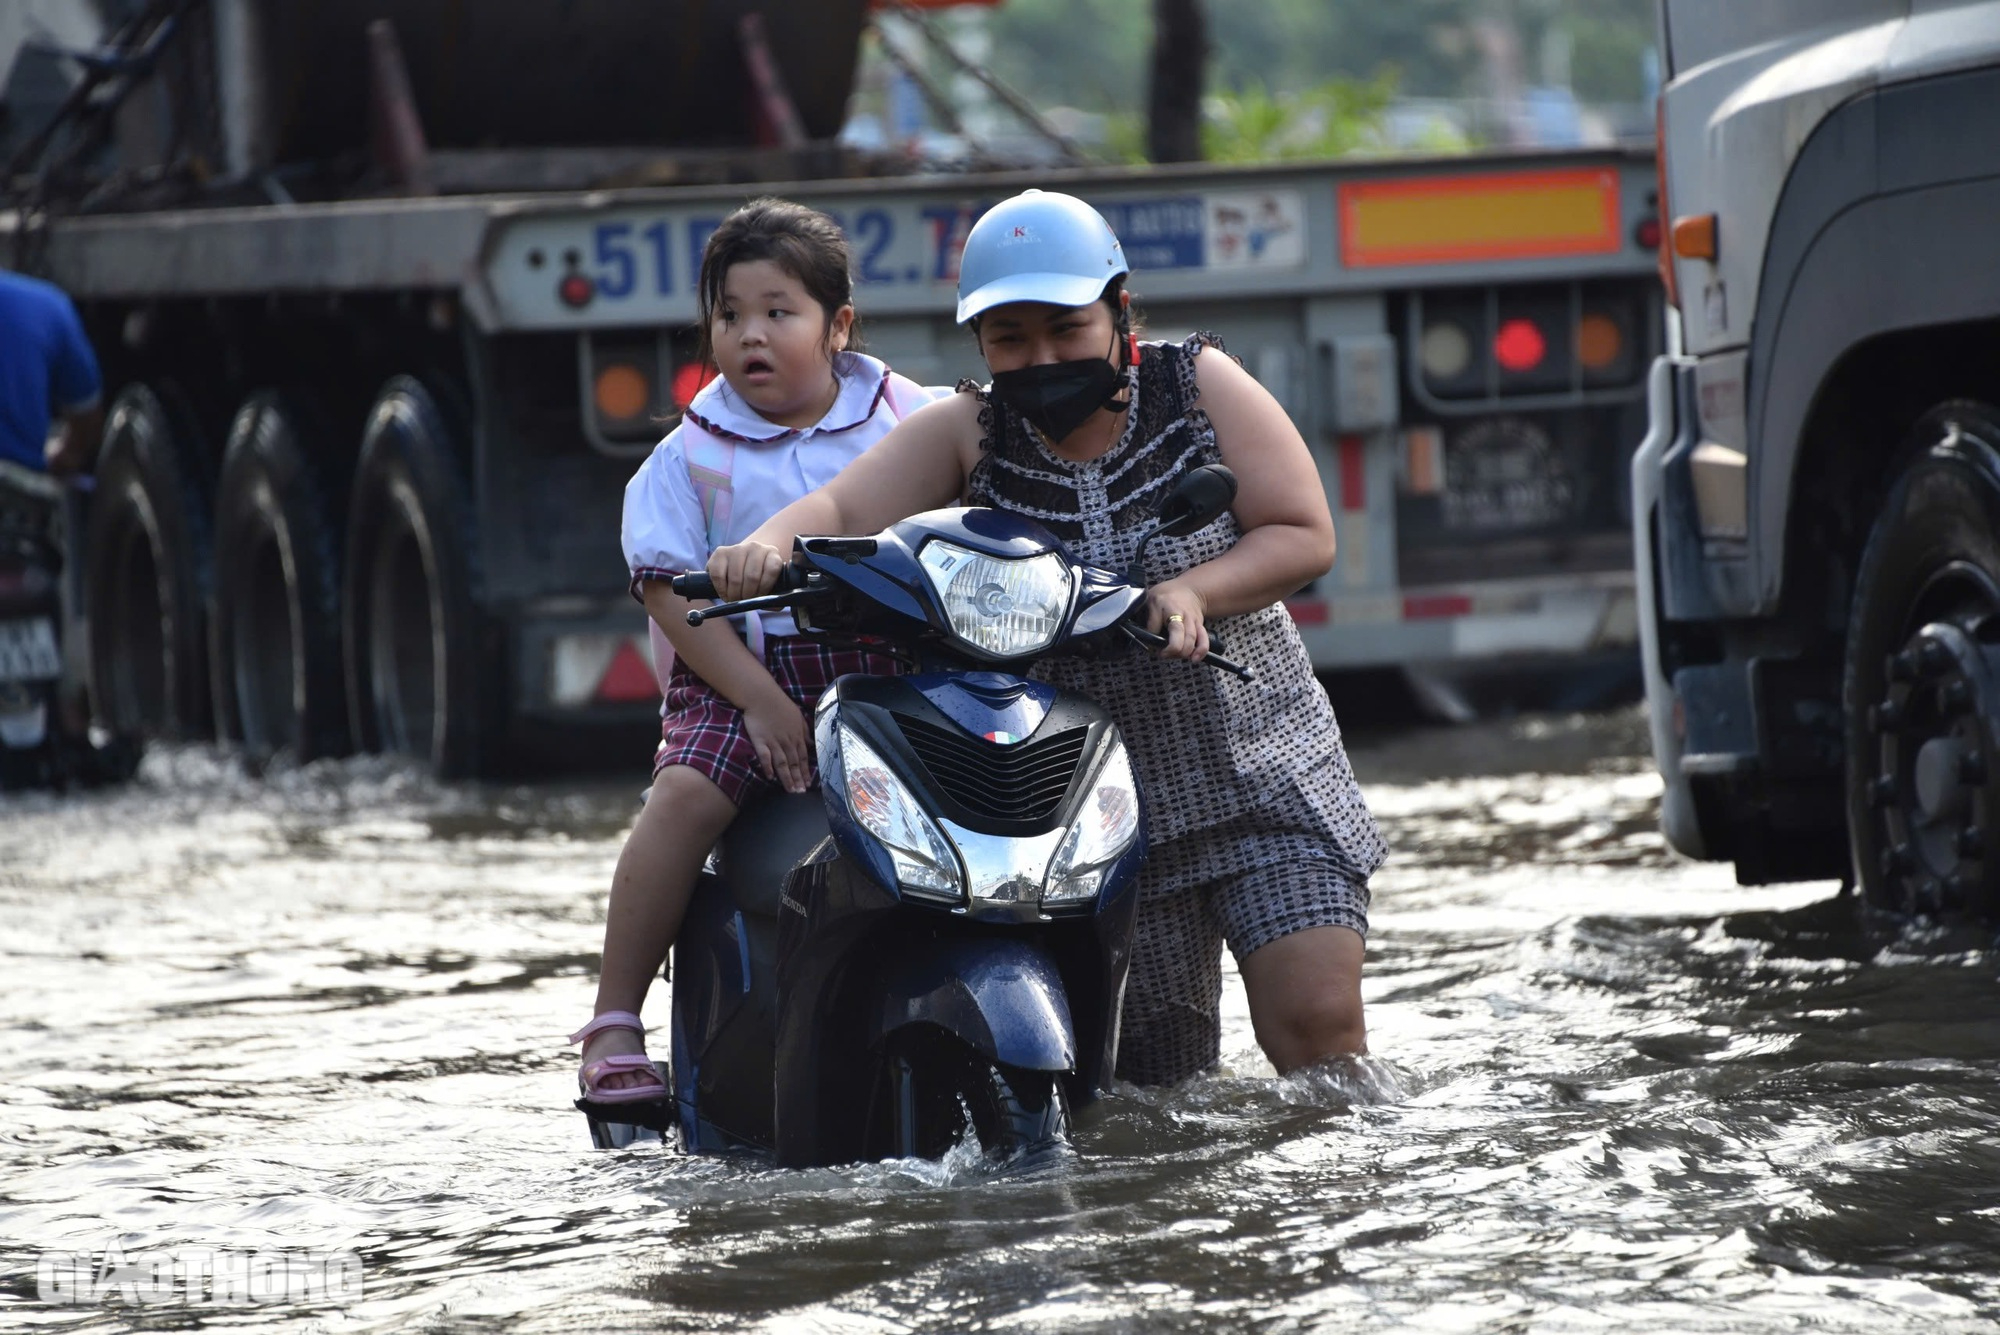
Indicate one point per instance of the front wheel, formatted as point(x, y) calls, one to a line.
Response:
point(939, 1089)
point(1921, 683)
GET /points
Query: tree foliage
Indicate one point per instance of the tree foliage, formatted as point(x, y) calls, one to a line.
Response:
point(1339, 117)
point(1093, 54)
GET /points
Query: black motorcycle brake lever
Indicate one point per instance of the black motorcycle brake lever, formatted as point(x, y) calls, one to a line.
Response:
point(1146, 637)
point(767, 603)
point(795, 585)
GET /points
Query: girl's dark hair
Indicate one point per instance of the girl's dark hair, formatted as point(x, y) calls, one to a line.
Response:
point(803, 242)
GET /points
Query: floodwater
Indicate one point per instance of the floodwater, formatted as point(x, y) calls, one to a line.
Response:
point(1611, 1091)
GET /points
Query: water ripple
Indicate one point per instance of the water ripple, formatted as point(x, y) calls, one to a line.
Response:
point(321, 1007)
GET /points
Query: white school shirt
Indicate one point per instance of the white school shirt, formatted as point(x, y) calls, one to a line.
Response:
point(672, 523)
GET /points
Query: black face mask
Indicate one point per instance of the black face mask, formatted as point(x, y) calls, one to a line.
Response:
point(1059, 397)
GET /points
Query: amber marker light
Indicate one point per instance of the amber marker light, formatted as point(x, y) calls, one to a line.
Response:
point(1694, 236)
point(622, 392)
point(1598, 341)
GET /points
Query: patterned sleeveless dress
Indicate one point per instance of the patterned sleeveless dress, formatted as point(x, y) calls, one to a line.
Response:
point(1258, 828)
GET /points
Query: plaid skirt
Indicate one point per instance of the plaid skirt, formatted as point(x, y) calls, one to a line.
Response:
point(701, 729)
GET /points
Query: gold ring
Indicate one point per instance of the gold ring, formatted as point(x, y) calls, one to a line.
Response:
point(1175, 619)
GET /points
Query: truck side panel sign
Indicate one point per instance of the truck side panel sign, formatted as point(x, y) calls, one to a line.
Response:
point(634, 266)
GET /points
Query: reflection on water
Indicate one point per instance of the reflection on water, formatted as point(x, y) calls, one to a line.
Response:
point(323, 1009)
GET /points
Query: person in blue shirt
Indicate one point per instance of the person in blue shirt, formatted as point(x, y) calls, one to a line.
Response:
point(46, 369)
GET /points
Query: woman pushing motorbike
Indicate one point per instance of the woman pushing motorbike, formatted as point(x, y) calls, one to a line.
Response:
point(1259, 833)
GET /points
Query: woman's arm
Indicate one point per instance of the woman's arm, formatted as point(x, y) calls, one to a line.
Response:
point(921, 464)
point(1280, 506)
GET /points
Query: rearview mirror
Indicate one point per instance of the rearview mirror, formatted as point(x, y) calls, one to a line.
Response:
point(1197, 500)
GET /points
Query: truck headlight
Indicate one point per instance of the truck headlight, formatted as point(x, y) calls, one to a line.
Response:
point(1102, 831)
point(1009, 609)
point(883, 806)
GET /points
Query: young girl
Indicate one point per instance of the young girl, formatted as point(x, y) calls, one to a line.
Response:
point(791, 407)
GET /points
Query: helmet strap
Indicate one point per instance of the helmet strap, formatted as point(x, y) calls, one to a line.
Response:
point(1122, 325)
point(1115, 401)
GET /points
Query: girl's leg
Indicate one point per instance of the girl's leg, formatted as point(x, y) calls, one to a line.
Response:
point(683, 817)
point(1305, 996)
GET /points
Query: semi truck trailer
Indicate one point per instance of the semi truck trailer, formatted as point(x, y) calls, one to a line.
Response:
point(385, 340)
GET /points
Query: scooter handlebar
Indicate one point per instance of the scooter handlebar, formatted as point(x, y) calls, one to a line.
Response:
point(1213, 658)
point(697, 584)
point(793, 582)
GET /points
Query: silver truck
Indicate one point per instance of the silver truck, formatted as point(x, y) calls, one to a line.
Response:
point(381, 375)
point(1817, 500)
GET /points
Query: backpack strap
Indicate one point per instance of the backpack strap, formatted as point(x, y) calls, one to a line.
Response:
point(711, 464)
point(903, 396)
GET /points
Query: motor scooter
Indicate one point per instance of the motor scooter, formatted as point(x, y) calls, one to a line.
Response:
point(43, 743)
point(935, 943)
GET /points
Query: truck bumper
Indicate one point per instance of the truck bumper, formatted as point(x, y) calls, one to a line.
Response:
point(587, 664)
point(1489, 621)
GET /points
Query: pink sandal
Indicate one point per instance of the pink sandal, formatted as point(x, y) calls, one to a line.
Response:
point(593, 1072)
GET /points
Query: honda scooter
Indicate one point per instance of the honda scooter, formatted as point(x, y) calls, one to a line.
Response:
point(935, 943)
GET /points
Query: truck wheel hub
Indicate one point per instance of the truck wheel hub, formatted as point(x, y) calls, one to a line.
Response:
point(1939, 793)
point(1936, 760)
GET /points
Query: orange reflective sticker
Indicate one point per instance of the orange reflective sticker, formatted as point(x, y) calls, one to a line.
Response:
point(1500, 216)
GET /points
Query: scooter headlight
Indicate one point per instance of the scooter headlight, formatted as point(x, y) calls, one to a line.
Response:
point(1009, 609)
point(1102, 831)
point(883, 806)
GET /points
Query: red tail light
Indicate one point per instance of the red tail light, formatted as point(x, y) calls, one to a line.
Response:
point(1519, 345)
point(689, 378)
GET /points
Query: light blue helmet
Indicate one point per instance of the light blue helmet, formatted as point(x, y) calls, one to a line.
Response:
point(1037, 246)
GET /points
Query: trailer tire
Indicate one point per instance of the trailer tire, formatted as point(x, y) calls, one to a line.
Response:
point(275, 653)
point(1921, 679)
point(146, 571)
point(416, 675)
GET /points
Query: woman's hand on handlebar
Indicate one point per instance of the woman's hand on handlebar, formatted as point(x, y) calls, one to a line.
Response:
point(745, 569)
point(1175, 610)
